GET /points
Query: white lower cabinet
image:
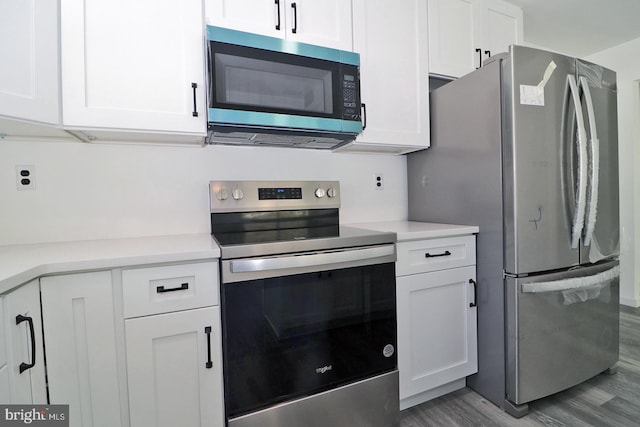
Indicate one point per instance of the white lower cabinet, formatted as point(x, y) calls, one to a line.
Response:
point(174, 369)
point(135, 347)
point(437, 329)
point(81, 347)
point(174, 350)
point(22, 373)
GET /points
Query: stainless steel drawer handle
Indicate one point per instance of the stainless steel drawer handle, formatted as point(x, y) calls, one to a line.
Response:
point(182, 287)
point(429, 255)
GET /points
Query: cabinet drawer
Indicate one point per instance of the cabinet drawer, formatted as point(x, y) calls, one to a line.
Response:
point(169, 288)
point(435, 254)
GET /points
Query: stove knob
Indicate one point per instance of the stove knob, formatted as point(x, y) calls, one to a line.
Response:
point(332, 192)
point(237, 194)
point(223, 194)
point(319, 192)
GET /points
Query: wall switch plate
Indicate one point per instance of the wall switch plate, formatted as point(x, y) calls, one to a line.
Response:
point(26, 177)
point(379, 181)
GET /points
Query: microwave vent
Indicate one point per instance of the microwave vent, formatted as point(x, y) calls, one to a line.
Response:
point(280, 138)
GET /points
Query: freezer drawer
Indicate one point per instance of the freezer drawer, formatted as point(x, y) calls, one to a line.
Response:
point(558, 337)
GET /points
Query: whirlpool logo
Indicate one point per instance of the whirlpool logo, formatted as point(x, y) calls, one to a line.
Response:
point(324, 369)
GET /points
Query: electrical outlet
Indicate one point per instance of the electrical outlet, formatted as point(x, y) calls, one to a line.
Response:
point(379, 182)
point(26, 177)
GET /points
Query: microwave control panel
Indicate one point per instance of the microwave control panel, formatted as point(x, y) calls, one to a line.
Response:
point(350, 97)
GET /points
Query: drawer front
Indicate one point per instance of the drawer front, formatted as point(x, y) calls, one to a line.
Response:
point(436, 254)
point(154, 290)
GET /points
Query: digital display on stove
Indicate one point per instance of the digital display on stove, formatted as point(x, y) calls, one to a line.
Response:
point(279, 193)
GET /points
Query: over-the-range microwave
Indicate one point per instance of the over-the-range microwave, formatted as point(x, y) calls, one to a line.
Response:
point(270, 91)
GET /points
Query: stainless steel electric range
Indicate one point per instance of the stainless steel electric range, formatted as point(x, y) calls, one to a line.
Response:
point(308, 308)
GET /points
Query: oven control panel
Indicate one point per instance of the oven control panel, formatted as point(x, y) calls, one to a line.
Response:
point(240, 196)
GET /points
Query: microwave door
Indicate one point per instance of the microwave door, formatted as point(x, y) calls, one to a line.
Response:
point(273, 82)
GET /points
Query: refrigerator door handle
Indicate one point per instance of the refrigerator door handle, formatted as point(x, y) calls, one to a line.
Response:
point(594, 165)
point(574, 283)
point(581, 185)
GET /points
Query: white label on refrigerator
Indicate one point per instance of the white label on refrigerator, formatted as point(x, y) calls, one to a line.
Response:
point(531, 95)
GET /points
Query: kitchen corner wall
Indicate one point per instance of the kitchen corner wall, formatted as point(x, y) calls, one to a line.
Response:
point(625, 61)
point(102, 191)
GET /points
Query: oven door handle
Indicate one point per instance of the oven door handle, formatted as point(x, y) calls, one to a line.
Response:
point(311, 260)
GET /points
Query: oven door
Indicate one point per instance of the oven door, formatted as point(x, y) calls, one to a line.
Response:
point(294, 332)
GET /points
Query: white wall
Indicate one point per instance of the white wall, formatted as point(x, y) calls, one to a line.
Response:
point(624, 59)
point(97, 191)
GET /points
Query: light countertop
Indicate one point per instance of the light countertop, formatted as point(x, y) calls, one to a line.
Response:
point(22, 263)
point(412, 230)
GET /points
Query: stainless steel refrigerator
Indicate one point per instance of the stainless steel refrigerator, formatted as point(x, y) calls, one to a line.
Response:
point(526, 148)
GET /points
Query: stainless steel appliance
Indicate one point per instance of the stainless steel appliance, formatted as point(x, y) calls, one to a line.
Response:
point(308, 308)
point(526, 148)
point(270, 91)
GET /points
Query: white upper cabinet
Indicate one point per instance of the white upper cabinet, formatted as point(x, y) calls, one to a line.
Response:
point(451, 37)
point(323, 23)
point(29, 77)
point(463, 33)
point(133, 66)
point(29, 52)
point(501, 26)
point(392, 41)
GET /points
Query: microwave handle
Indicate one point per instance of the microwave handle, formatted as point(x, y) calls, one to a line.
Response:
point(364, 116)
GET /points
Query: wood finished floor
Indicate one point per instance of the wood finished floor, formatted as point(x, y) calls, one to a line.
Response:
point(606, 400)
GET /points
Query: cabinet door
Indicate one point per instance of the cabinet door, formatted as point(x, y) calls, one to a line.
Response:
point(28, 386)
point(29, 52)
point(323, 23)
point(437, 328)
point(264, 17)
point(501, 26)
point(5, 395)
point(131, 65)
point(170, 380)
point(80, 338)
point(452, 32)
point(393, 46)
